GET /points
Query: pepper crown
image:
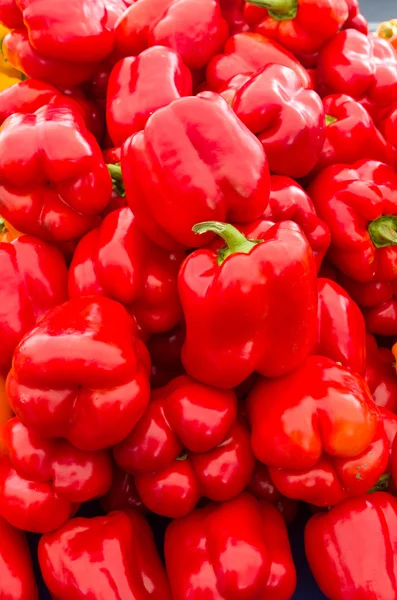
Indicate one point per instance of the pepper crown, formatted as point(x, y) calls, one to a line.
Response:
point(281, 10)
point(383, 231)
point(235, 240)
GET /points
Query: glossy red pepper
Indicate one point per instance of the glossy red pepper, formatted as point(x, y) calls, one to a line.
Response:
point(188, 444)
point(246, 53)
point(262, 487)
point(122, 494)
point(118, 261)
point(319, 432)
point(359, 204)
point(233, 13)
point(81, 374)
point(165, 350)
point(388, 125)
point(220, 172)
point(234, 550)
point(138, 86)
point(196, 31)
point(33, 280)
point(287, 118)
point(301, 25)
point(42, 480)
point(115, 9)
point(341, 327)
point(352, 550)
point(237, 309)
point(53, 176)
point(10, 15)
point(16, 572)
point(355, 19)
point(112, 557)
point(380, 375)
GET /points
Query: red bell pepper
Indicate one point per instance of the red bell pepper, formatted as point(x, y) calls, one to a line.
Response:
point(352, 550)
point(287, 118)
point(341, 327)
point(359, 204)
point(380, 375)
point(355, 19)
point(53, 176)
point(165, 351)
point(16, 572)
point(237, 304)
point(42, 480)
point(118, 261)
point(233, 13)
point(110, 557)
point(10, 15)
point(188, 444)
point(122, 494)
point(138, 86)
point(319, 432)
point(81, 374)
point(262, 487)
point(246, 53)
point(115, 9)
point(388, 125)
point(231, 551)
point(33, 280)
point(196, 31)
point(301, 25)
point(220, 172)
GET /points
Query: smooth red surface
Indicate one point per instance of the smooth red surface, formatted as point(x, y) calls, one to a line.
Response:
point(381, 375)
point(11, 16)
point(17, 580)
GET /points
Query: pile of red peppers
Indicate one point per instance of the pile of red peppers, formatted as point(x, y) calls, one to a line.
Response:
point(198, 299)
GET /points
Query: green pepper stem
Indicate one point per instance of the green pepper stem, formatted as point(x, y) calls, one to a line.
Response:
point(329, 120)
point(383, 231)
point(382, 485)
point(281, 10)
point(117, 179)
point(235, 240)
point(3, 228)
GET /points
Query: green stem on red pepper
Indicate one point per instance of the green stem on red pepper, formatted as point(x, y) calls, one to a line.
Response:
point(329, 120)
point(3, 228)
point(383, 231)
point(382, 485)
point(281, 10)
point(235, 240)
point(117, 179)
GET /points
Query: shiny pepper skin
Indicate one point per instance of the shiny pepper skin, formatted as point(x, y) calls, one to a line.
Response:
point(81, 374)
point(118, 261)
point(17, 580)
point(42, 481)
point(10, 14)
point(319, 432)
point(188, 444)
point(53, 179)
point(380, 374)
point(235, 550)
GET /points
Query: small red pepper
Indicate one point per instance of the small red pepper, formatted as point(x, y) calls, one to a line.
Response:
point(110, 557)
point(319, 432)
point(81, 374)
point(17, 580)
point(122, 494)
point(188, 444)
point(138, 86)
point(380, 375)
point(237, 549)
point(42, 480)
point(301, 25)
point(239, 315)
point(262, 487)
point(355, 19)
point(352, 549)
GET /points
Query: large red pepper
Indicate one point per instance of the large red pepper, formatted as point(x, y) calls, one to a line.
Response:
point(301, 25)
point(287, 118)
point(42, 480)
point(262, 487)
point(173, 179)
point(352, 550)
point(319, 432)
point(355, 19)
point(231, 551)
point(359, 204)
point(246, 53)
point(110, 557)
point(118, 261)
point(53, 176)
point(188, 444)
point(196, 31)
point(81, 374)
point(380, 375)
point(341, 327)
point(16, 572)
point(233, 13)
point(138, 86)
point(10, 15)
point(243, 309)
point(33, 280)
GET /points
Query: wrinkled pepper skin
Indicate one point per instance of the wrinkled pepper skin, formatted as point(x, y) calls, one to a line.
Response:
point(380, 375)
point(341, 327)
point(188, 444)
point(247, 314)
point(319, 432)
point(81, 374)
point(301, 25)
point(138, 86)
point(122, 494)
point(17, 580)
point(246, 53)
point(262, 487)
point(53, 179)
point(110, 557)
point(33, 280)
point(287, 118)
point(359, 204)
point(118, 261)
point(42, 480)
point(352, 550)
point(222, 171)
point(196, 31)
point(236, 550)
